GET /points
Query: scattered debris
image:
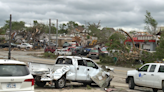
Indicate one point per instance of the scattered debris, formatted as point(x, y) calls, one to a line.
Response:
point(109, 89)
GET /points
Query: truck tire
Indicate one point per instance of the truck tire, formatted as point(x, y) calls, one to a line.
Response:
point(163, 86)
point(40, 83)
point(131, 83)
point(60, 83)
point(155, 90)
point(28, 48)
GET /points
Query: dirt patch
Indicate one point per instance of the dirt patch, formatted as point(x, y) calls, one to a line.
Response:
point(36, 54)
point(17, 49)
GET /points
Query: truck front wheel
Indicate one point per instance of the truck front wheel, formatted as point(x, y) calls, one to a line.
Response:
point(131, 83)
point(60, 83)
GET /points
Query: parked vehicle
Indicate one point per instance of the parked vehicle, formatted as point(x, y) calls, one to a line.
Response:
point(73, 44)
point(15, 77)
point(50, 49)
point(149, 75)
point(25, 46)
point(63, 51)
point(6, 45)
point(51, 44)
point(66, 44)
point(94, 53)
point(70, 48)
point(70, 68)
point(81, 51)
point(103, 51)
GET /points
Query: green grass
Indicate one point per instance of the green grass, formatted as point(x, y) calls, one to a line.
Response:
point(49, 55)
point(89, 87)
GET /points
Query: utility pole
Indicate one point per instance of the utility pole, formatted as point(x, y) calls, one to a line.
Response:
point(9, 54)
point(49, 30)
point(56, 33)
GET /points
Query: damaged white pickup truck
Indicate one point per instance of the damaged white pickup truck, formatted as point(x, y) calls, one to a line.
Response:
point(70, 68)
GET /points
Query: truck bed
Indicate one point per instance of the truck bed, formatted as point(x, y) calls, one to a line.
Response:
point(39, 68)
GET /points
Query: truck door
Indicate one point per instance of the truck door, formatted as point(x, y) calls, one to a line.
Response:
point(140, 76)
point(81, 74)
point(23, 45)
point(151, 77)
point(92, 69)
point(159, 71)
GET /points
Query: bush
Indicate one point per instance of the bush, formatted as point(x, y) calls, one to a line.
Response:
point(106, 60)
point(148, 57)
point(2, 32)
point(118, 61)
point(49, 55)
point(2, 40)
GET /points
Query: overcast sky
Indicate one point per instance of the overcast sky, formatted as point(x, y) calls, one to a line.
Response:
point(126, 14)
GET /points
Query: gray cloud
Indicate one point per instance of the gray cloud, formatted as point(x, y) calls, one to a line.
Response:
point(128, 14)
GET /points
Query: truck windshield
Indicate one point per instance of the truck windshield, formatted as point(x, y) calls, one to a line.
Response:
point(13, 70)
point(94, 50)
point(64, 61)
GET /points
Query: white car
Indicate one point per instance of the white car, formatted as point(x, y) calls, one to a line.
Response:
point(24, 46)
point(63, 52)
point(15, 77)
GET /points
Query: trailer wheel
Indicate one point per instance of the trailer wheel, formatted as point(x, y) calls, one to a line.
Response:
point(131, 83)
point(60, 83)
point(40, 83)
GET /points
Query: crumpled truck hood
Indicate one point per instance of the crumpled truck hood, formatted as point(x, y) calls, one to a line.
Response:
point(102, 78)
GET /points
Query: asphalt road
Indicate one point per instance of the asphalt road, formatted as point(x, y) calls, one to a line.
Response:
point(118, 82)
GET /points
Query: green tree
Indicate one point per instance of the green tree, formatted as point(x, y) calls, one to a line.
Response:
point(71, 25)
point(147, 57)
point(116, 41)
point(151, 23)
point(102, 35)
point(16, 25)
point(2, 31)
point(160, 49)
point(121, 55)
point(62, 28)
point(133, 32)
